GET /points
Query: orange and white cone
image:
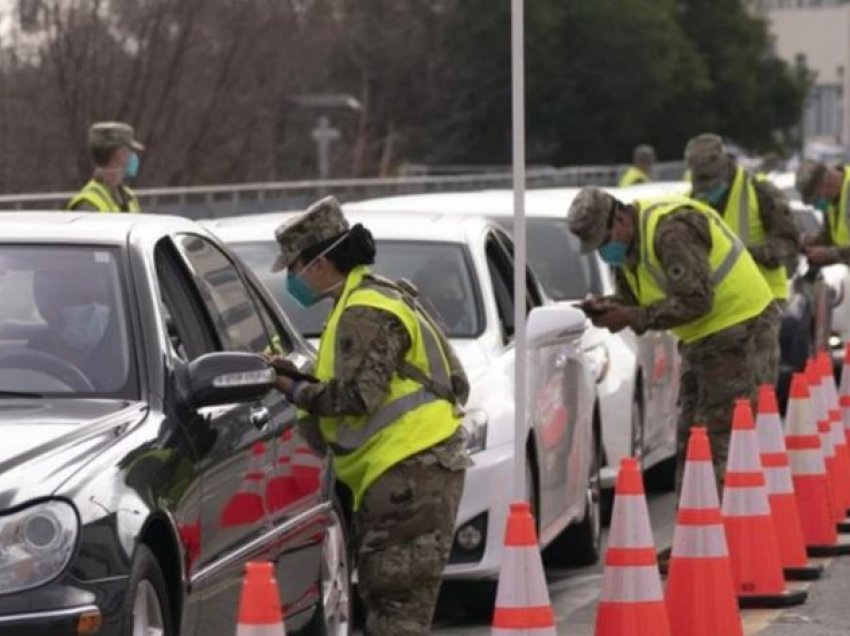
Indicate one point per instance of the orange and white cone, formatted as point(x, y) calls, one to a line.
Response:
point(522, 598)
point(247, 505)
point(281, 489)
point(780, 490)
point(808, 471)
point(756, 567)
point(844, 393)
point(836, 429)
point(260, 612)
point(816, 389)
point(631, 603)
point(700, 592)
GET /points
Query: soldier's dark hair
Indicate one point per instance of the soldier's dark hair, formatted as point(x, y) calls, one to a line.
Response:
point(357, 248)
point(102, 155)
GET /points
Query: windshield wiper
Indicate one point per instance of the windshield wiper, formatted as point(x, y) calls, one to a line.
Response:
point(21, 394)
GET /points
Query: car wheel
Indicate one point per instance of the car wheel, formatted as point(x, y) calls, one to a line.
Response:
point(581, 543)
point(335, 616)
point(147, 607)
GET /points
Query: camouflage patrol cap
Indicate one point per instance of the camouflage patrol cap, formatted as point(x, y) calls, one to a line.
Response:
point(113, 134)
point(707, 161)
point(589, 217)
point(808, 178)
point(323, 220)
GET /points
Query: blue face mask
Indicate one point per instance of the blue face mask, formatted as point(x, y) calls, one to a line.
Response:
point(300, 291)
point(822, 204)
point(614, 252)
point(131, 170)
point(84, 325)
point(715, 193)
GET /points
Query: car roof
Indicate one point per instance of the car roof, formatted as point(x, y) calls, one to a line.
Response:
point(82, 227)
point(418, 225)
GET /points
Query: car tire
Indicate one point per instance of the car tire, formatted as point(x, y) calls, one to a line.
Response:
point(146, 603)
point(580, 544)
point(335, 614)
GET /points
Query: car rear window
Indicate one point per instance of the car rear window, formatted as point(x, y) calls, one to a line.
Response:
point(441, 271)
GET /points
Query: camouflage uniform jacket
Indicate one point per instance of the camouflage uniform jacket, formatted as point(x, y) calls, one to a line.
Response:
point(373, 344)
point(782, 240)
point(682, 245)
point(825, 236)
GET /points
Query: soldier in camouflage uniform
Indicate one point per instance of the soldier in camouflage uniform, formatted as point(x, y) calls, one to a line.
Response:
point(827, 188)
point(721, 365)
point(715, 177)
point(404, 518)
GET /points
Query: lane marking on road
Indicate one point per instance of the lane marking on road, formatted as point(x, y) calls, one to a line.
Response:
point(757, 620)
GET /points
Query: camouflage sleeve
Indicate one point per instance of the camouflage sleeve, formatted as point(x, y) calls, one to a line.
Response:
point(370, 345)
point(682, 244)
point(782, 241)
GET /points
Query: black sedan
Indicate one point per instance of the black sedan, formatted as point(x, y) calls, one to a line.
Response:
point(143, 458)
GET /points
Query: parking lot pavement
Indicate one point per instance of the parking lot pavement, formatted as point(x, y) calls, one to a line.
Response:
point(574, 595)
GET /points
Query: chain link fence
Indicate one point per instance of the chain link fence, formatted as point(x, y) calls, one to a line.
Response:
point(198, 202)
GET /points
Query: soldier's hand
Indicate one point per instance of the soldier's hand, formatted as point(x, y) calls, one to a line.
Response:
point(819, 256)
point(615, 318)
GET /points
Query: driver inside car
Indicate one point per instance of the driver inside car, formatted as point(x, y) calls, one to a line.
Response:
point(77, 308)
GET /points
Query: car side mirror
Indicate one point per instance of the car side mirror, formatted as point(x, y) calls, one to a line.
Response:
point(554, 324)
point(229, 377)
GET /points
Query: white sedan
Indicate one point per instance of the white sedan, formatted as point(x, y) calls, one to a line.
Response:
point(637, 377)
point(463, 267)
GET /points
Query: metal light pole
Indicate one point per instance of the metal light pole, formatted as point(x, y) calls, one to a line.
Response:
point(518, 124)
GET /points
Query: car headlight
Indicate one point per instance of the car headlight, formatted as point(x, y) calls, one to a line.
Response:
point(36, 544)
point(475, 423)
point(599, 360)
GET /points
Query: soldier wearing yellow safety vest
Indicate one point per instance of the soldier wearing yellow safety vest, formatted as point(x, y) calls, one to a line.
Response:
point(678, 266)
point(828, 189)
point(115, 153)
point(759, 213)
point(387, 404)
point(641, 169)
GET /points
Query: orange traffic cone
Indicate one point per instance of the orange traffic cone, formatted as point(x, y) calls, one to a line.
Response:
point(844, 394)
point(756, 568)
point(780, 490)
point(246, 505)
point(522, 598)
point(808, 471)
point(280, 488)
point(260, 612)
point(700, 592)
point(631, 603)
point(836, 429)
point(816, 389)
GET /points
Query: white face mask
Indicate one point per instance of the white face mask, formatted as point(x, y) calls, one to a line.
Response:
point(84, 325)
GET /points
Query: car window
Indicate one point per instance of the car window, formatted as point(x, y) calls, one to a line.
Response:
point(555, 257)
point(226, 296)
point(441, 271)
point(533, 295)
point(63, 322)
point(502, 277)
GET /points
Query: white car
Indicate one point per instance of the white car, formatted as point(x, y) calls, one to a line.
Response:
point(637, 377)
point(464, 270)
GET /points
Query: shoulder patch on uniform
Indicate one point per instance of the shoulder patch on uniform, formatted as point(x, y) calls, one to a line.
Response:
point(676, 271)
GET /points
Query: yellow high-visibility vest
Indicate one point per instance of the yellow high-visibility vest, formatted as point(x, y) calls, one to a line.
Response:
point(633, 176)
point(411, 418)
point(836, 215)
point(96, 194)
point(743, 218)
point(740, 291)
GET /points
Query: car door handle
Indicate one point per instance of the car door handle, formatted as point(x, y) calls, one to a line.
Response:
point(259, 417)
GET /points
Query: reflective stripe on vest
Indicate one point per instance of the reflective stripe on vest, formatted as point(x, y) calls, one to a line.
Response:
point(740, 291)
point(632, 176)
point(96, 194)
point(743, 217)
point(410, 419)
point(837, 215)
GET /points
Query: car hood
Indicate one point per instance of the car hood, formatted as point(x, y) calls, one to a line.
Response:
point(47, 441)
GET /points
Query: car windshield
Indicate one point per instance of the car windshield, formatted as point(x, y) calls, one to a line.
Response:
point(440, 271)
point(554, 255)
point(63, 327)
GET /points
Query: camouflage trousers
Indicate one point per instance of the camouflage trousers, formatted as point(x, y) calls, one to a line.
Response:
point(716, 371)
point(404, 530)
point(767, 343)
